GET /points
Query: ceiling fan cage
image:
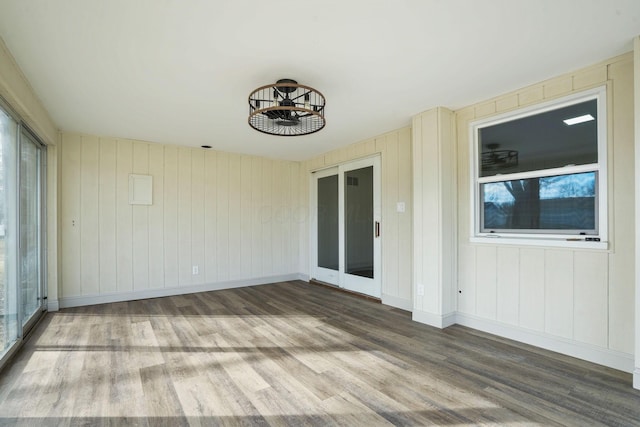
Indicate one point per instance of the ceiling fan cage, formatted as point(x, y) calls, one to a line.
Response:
point(498, 159)
point(286, 108)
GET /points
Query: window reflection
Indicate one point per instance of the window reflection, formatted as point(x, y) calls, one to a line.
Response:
point(562, 202)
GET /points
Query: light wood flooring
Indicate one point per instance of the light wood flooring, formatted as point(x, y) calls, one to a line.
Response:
point(293, 354)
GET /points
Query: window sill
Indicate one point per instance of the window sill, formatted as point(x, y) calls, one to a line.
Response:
point(532, 241)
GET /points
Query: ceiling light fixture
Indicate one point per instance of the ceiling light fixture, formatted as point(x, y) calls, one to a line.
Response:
point(579, 119)
point(286, 108)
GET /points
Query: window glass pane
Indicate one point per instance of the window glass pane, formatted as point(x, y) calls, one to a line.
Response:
point(8, 282)
point(540, 141)
point(561, 202)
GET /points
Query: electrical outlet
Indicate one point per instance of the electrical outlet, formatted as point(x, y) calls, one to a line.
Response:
point(420, 290)
point(400, 207)
point(195, 269)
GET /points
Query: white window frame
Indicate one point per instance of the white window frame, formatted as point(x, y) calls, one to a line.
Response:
point(542, 238)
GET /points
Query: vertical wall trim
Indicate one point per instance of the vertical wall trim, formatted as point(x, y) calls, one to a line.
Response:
point(636, 121)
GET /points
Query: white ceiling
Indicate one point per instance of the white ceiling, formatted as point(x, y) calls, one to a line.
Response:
point(180, 71)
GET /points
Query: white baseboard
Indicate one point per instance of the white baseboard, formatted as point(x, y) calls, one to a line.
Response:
point(77, 301)
point(53, 305)
point(602, 356)
point(304, 277)
point(636, 379)
point(397, 302)
point(436, 320)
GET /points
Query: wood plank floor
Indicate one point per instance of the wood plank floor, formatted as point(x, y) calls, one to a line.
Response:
point(293, 354)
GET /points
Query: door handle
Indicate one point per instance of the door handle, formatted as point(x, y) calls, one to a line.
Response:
point(377, 233)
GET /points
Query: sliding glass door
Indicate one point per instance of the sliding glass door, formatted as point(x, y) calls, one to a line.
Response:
point(22, 297)
point(9, 331)
point(346, 229)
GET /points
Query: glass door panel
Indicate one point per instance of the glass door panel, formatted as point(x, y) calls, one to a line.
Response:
point(328, 222)
point(327, 226)
point(358, 214)
point(30, 253)
point(8, 182)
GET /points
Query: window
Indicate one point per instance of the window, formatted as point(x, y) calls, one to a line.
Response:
point(540, 173)
point(22, 192)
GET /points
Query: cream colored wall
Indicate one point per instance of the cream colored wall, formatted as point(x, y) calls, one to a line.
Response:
point(582, 297)
point(395, 151)
point(233, 216)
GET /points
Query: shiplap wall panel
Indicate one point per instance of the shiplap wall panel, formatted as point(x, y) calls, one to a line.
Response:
point(277, 246)
point(256, 223)
point(297, 215)
point(486, 282)
point(277, 249)
point(156, 217)
point(304, 218)
point(171, 272)
point(532, 300)
point(508, 285)
point(211, 217)
point(434, 211)
point(89, 239)
point(218, 211)
point(590, 77)
point(197, 217)
point(140, 214)
point(558, 87)
point(419, 227)
point(558, 293)
point(107, 216)
point(427, 211)
point(464, 151)
point(184, 216)
point(403, 230)
point(70, 214)
point(590, 307)
point(449, 190)
point(124, 218)
point(266, 211)
point(246, 212)
point(235, 253)
point(287, 208)
point(389, 178)
point(222, 226)
point(506, 103)
point(467, 280)
point(531, 95)
point(621, 294)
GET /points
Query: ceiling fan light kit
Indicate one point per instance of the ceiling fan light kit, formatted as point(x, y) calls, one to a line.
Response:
point(286, 108)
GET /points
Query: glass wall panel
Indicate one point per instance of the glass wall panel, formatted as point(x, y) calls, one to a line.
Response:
point(8, 232)
point(30, 254)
